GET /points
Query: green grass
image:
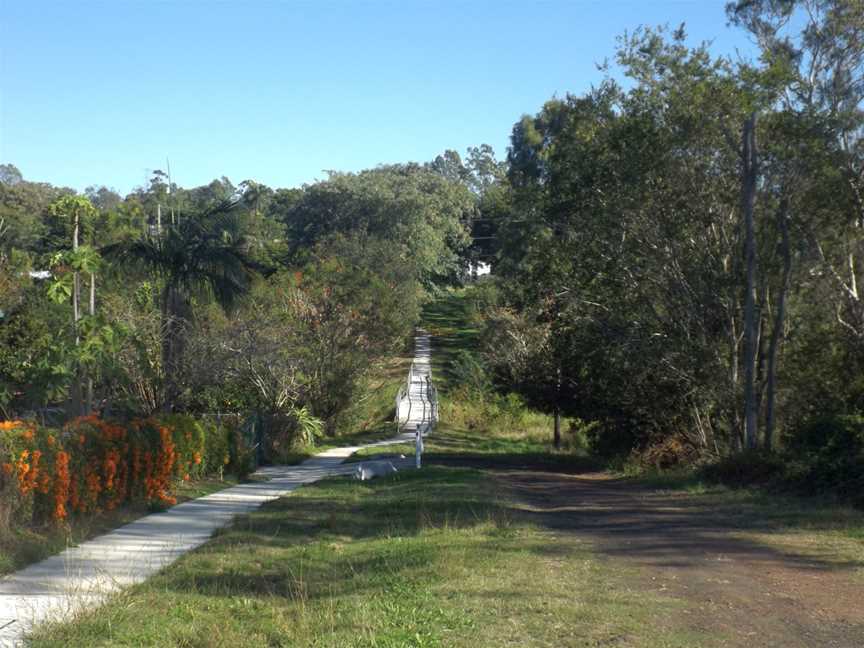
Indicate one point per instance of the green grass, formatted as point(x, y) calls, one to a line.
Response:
point(431, 558)
point(364, 454)
point(449, 322)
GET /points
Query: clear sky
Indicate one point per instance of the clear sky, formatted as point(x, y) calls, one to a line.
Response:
point(101, 92)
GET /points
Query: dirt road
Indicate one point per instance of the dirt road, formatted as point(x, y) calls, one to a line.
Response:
point(740, 589)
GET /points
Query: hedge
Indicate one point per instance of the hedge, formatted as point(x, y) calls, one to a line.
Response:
point(92, 465)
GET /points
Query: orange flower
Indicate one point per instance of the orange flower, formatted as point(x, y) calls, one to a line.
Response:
point(61, 486)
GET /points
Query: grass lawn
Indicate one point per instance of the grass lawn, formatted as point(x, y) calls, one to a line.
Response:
point(430, 558)
point(448, 320)
point(406, 449)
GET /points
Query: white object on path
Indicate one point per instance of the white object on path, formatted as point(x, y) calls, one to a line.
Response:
point(371, 469)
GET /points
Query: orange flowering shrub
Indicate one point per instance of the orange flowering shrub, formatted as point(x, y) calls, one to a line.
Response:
point(93, 465)
point(17, 470)
point(190, 445)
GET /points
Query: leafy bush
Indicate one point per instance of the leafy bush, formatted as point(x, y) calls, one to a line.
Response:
point(575, 437)
point(828, 435)
point(189, 441)
point(608, 440)
point(468, 371)
point(750, 468)
point(91, 465)
point(217, 448)
point(832, 450)
point(241, 452)
point(289, 432)
point(823, 456)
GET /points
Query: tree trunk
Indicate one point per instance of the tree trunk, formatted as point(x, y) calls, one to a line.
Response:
point(173, 325)
point(76, 284)
point(557, 428)
point(780, 315)
point(89, 408)
point(557, 410)
point(76, 391)
point(748, 195)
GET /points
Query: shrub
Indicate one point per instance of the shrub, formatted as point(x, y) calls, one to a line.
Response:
point(828, 435)
point(93, 465)
point(669, 452)
point(467, 370)
point(290, 432)
point(749, 468)
point(611, 440)
point(829, 453)
point(241, 451)
point(217, 448)
point(189, 442)
point(17, 445)
point(575, 437)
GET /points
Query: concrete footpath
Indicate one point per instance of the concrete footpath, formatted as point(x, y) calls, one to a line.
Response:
point(82, 577)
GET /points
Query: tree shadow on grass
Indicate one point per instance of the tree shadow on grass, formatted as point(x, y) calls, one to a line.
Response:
point(657, 528)
point(337, 538)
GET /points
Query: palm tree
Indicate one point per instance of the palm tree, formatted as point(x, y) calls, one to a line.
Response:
point(202, 255)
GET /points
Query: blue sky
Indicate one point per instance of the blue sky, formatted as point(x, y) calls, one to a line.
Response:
point(101, 92)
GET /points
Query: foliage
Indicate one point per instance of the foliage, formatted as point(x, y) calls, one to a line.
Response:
point(418, 213)
point(91, 465)
point(197, 257)
point(622, 285)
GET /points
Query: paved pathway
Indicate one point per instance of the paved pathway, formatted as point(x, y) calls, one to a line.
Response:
point(83, 576)
point(418, 407)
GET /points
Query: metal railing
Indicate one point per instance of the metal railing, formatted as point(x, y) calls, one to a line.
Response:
point(428, 400)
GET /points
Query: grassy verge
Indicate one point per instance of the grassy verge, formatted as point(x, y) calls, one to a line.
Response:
point(450, 323)
point(25, 546)
point(406, 449)
point(433, 558)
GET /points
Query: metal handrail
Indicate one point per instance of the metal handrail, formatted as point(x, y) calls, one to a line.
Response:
point(428, 395)
point(405, 390)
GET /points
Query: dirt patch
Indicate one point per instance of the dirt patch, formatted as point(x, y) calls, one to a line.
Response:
point(743, 592)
